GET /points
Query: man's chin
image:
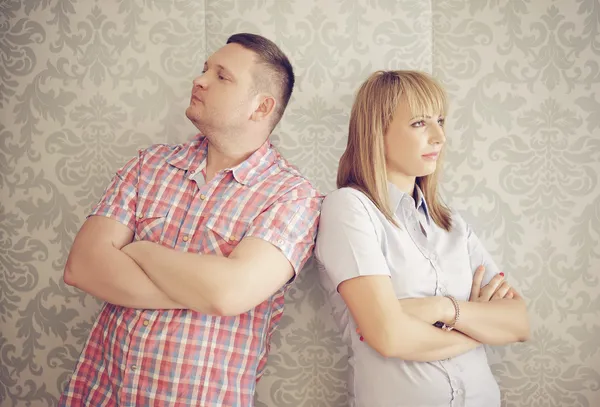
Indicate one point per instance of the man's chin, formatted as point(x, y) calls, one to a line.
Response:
point(193, 116)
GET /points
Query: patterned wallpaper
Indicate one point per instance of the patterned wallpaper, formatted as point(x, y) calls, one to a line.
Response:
point(84, 84)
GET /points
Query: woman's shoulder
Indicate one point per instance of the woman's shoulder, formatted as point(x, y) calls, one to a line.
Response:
point(349, 205)
point(346, 198)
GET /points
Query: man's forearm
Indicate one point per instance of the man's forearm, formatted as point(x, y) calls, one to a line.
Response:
point(110, 275)
point(200, 282)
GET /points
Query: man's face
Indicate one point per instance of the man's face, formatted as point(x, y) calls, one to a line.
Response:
point(223, 96)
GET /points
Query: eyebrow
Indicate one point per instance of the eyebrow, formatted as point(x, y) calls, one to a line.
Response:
point(424, 117)
point(221, 67)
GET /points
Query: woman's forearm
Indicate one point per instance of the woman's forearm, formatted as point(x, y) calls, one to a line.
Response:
point(439, 345)
point(497, 322)
point(409, 338)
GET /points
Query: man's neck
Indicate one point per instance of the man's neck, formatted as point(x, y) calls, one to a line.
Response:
point(221, 157)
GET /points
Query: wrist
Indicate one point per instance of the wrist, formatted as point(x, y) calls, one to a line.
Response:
point(447, 310)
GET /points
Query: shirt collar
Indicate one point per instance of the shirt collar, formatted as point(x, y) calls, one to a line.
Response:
point(192, 156)
point(397, 196)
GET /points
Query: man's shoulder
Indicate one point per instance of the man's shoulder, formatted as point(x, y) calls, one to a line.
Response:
point(164, 151)
point(291, 177)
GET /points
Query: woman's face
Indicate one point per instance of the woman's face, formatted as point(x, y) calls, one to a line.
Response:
point(413, 143)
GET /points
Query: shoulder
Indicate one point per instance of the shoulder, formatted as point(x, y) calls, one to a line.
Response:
point(347, 202)
point(161, 151)
point(294, 184)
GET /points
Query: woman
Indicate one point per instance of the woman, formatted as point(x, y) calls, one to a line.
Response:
point(404, 271)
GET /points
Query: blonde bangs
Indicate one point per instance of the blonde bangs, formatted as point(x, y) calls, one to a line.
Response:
point(423, 94)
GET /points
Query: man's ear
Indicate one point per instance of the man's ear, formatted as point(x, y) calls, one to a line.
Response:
point(266, 107)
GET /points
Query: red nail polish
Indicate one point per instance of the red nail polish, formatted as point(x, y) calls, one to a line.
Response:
point(502, 274)
point(362, 339)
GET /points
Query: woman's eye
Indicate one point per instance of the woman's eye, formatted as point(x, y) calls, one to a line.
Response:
point(420, 123)
point(441, 121)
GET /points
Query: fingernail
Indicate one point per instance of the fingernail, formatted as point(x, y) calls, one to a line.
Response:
point(502, 274)
point(357, 330)
point(362, 339)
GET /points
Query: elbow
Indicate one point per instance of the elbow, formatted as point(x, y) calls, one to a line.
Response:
point(224, 310)
point(69, 275)
point(525, 333)
point(387, 343)
point(385, 349)
point(525, 337)
point(228, 303)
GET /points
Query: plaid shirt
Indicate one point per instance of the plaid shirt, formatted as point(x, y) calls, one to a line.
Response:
point(181, 357)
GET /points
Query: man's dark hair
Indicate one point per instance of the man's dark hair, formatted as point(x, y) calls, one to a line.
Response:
point(279, 70)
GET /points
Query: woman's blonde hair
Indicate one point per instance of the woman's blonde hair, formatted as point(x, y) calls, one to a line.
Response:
point(362, 166)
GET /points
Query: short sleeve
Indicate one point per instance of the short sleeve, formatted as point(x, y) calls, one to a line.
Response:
point(120, 198)
point(290, 224)
point(478, 256)
point(347, 243)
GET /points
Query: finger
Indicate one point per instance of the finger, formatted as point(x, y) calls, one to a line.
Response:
point(501, 291)
point(514, 295)
point(487, 291)
point(476, 286)
point(358, 331)
point(510, 293)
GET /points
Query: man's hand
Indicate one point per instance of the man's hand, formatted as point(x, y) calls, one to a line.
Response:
point(496, 289)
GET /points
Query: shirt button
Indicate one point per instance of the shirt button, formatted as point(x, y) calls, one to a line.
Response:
point(133, 368)
point(192, 171)
point(146, 322)
point(232, 238)
point(203, 197)
point(185, 238)
point(139, 217)
point(459, 392)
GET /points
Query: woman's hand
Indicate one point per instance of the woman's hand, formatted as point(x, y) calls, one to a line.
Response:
point(496, 289)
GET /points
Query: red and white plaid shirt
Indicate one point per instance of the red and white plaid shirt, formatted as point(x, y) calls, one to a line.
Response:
point(182, 357)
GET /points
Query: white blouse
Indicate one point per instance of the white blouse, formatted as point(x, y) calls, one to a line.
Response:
point(422, 259)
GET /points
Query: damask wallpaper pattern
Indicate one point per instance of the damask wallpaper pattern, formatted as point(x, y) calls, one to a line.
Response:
point(85, 83)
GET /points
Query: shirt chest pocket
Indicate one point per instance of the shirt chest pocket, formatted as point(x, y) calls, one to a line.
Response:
point(150, 220)
point(222, 233)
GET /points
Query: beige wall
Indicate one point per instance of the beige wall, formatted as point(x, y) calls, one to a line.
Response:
point(84, 84)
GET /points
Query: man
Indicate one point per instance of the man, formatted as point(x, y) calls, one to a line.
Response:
point(193, 245)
